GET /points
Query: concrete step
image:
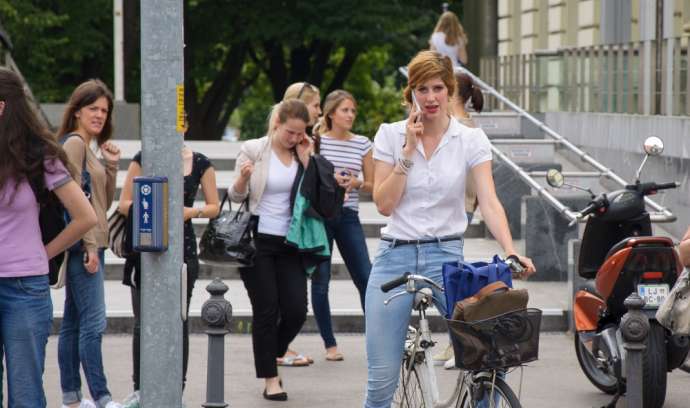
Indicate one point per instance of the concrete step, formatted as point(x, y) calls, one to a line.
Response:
point(344, 299)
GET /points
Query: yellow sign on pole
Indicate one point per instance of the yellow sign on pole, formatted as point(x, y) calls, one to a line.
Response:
point(181, 122)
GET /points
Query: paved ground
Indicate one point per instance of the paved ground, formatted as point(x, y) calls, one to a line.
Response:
point(553, 381)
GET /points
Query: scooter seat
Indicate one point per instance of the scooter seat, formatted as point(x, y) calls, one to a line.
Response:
point(663, 241)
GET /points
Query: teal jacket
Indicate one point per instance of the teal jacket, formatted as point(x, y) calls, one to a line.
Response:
point(308, 234)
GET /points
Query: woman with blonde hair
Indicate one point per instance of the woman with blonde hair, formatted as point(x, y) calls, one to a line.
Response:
point(268, 171)
point(449, 38)
point(350, 155)
point(311, 96)
point(421, 167)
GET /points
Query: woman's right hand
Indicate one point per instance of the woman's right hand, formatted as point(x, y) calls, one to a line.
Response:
point(246, 170)
point(413, 131)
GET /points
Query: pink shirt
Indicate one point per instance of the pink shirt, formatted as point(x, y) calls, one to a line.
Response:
point(22, 252)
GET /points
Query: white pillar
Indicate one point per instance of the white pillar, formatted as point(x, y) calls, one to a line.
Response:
point(647, 35)
point(118, 50)
point(670, 43)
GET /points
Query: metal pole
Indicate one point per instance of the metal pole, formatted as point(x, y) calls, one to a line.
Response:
point(670, 43)
point(162, 76)
point(118, 50)
point(647, 35)
point(634, 329)
point(216, 313)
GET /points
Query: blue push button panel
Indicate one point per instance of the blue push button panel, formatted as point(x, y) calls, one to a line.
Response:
point(150, 214)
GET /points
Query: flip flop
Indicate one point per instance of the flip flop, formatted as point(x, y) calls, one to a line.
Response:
point(337, 356)
point(295, 354)
point(292, 361)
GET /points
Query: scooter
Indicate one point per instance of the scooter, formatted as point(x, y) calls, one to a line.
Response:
point(619, 255)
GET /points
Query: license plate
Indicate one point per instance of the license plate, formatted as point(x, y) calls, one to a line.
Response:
point(653, 295)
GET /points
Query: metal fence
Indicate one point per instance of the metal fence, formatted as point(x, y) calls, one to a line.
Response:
point(649, 77)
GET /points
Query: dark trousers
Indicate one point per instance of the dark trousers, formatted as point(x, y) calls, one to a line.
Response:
point(192, 273)
point(277, 288)
point(348, 234)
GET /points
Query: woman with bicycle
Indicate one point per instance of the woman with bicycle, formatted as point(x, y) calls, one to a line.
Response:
point(420, 172)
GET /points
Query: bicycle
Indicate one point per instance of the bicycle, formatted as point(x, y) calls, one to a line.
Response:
point(480, 383)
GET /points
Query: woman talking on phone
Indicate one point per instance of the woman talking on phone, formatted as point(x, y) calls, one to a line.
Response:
point(420, 172)
point(268, 169)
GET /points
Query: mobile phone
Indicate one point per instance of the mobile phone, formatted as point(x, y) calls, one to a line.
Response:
point(416, 105)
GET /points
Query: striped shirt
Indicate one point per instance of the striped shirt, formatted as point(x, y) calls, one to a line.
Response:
point(347, 155)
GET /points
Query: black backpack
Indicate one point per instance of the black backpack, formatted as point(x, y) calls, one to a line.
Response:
point(51, 219)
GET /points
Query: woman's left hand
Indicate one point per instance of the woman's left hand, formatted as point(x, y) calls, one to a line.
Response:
point(304, 149)
point(530, 269)
point(110, 152)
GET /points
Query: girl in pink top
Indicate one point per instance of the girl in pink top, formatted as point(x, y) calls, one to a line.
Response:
point(29, 152)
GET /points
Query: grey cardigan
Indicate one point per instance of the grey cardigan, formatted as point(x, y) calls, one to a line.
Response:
point(259, 152)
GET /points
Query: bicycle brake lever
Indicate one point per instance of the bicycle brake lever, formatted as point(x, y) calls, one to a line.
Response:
point(387, 301)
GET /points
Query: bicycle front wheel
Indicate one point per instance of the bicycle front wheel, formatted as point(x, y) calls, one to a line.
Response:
point(411, 391)
point(478, 395)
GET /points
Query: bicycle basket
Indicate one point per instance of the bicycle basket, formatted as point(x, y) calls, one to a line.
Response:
point(503, 341)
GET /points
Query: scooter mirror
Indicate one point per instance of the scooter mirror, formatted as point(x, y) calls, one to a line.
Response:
point(555, 178)
point(653, 146)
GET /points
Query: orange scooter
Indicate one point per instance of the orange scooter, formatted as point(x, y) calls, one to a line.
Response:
point(619, 255)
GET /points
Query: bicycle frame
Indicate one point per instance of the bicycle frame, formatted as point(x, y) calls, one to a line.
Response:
point(419, 341)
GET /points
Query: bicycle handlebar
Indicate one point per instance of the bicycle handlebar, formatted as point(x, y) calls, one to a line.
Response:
point(388, 286)
point(404, 278)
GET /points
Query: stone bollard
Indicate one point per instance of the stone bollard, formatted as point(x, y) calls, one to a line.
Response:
point(634, 329)
point(216, 313)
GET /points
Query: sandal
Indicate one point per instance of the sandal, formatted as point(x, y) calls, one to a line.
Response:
point(292, 361)
point(294, 353)
point(337, 356)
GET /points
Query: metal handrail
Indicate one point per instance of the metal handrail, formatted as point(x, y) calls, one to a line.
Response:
point(662, 215)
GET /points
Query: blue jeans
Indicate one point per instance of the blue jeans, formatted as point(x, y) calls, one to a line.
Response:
point(348, 234)
point(26, 314)
point(386, 326)
point(81, 332)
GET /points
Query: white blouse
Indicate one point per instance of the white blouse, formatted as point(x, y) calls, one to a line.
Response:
point(433, 203)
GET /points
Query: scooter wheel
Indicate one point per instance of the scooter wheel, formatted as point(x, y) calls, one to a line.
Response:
point(597, 375)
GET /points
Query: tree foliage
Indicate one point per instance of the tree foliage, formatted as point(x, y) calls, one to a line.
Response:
point(240, 55)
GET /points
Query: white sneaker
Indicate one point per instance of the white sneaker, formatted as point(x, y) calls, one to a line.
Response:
point(113, 404)
point(441, 358)
point(85, 403)
point(132, 400)
point(450, 364)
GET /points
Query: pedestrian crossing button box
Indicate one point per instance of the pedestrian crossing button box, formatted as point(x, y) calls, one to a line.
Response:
point(150, 214)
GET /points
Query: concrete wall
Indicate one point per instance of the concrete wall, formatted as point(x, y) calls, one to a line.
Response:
point(125, 115)
point(616, 140)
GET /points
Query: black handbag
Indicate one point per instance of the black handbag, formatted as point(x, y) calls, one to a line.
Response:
point(228, 238)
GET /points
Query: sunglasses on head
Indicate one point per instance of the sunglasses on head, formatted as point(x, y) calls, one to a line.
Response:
point(301, 90)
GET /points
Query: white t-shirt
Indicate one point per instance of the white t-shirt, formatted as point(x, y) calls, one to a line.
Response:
point(438, 40)
point(347, 155)
point(433, 203)
point(274, 207)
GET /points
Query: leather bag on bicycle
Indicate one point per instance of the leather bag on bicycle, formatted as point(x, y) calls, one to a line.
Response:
point(492, 300)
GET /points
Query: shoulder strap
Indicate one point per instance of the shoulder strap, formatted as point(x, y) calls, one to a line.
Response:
point(64, 139)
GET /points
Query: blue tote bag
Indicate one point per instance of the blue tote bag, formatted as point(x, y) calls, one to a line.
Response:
point(463, 279)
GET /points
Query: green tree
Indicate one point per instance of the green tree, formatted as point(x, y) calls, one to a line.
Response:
point(58, 44)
